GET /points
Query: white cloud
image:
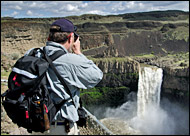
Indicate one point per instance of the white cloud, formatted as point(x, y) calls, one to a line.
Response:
point(84, 5)
point(11, 5)
point(11, 2)
point(14, 13)
point(179, 5)
point(34, 14)
point(96, 12)
point(70, 7)
point(141, 6)
point(29, 13)
point(33, 4)
point(18, 7)
point(67, 8)
point(131, 5)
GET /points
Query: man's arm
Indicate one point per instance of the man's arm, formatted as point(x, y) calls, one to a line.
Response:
point(79, 71)
point(88, 73)
point(76, 47)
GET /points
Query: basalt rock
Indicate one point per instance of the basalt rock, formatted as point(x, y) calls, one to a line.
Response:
point(176, 84)
point(119, 72)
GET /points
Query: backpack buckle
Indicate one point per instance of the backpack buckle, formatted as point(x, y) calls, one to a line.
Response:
point(4, 94)
point(21, 98)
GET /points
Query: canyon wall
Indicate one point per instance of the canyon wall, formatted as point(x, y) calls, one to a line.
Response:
point(176, 84)
point(110, 41)
point(118, 44)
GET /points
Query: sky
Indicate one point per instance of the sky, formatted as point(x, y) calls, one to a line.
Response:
point(46, 9)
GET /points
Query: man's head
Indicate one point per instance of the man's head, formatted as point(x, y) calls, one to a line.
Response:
point(63, 31)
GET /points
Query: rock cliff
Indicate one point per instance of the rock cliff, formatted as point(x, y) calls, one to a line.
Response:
point(18, 37)
point(119, 72)
point(117, 44)
point(176, 84)
point(152, 33)
point(175, 67)
point(120, 77)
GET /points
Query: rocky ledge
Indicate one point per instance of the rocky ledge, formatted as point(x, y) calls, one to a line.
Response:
point(175, 84)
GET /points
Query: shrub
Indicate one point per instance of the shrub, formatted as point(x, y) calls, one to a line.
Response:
point(14, 56)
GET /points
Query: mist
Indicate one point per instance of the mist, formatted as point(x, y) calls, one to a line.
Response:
point(146, 112)
point(167, 119)
point(155, 121)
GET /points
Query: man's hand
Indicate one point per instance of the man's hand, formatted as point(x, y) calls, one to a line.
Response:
point(76, 47)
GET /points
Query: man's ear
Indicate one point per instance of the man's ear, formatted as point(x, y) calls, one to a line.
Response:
point(70, 38)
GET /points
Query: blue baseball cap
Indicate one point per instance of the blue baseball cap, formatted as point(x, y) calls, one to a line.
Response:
point(65, 26)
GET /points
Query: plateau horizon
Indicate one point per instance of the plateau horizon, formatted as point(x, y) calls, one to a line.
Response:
point(46, 9)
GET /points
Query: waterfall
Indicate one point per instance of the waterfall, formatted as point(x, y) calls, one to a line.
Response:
point(145, 116)
point(151, 118)
point(149, 88)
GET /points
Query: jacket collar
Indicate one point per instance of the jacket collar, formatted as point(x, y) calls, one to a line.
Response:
point(56, 45)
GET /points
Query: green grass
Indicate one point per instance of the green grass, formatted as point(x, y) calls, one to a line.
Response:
point(102, 95)
point(184, 55)
point(112, 59)
point(164, 50)
point(180, 33)
point(145, 55)
point(93, 95)
point(5, 73)
point(103, 45)
point(22, 21)
point(4, 134)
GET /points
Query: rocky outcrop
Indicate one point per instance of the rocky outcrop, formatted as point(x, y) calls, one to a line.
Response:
point(129, 34)
point(120, 77)
point(158, 33)
point(156, 15)
point(176, 84)
point(19, 37)
point(119, 72)
point(120, 127)
point(134, 38)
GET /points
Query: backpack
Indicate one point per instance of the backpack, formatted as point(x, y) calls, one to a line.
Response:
point(27, 101)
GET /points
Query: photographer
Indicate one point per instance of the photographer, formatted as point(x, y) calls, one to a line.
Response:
point(77, 71)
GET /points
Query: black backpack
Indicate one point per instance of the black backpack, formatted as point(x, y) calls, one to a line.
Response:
point(27, 101)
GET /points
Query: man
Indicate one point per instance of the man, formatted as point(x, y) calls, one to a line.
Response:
point(76, 70)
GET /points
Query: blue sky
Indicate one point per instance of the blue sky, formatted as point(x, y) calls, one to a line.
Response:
point(38, 9)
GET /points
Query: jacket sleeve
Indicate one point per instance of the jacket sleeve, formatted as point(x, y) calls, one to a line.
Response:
point(79, 71)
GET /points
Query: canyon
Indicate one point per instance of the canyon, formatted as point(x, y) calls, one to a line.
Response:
point(119, 45)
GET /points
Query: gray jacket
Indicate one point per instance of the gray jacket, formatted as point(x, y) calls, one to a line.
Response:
point(77, 72)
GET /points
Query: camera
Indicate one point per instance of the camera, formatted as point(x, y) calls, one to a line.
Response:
point(75, 36)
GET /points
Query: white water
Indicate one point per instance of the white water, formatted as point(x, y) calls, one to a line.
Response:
point(151, 119)
point(142, 111)
point(149, 88)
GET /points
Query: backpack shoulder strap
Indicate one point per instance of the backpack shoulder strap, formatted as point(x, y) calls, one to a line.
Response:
point(58, 75)
point(53, 57)
point(56, 55)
